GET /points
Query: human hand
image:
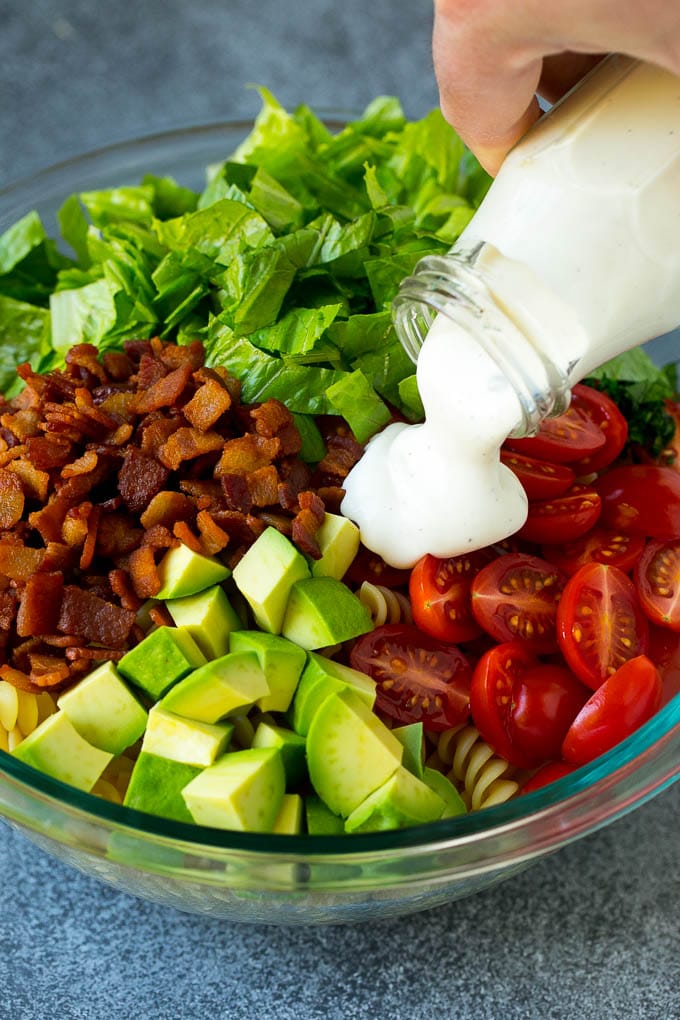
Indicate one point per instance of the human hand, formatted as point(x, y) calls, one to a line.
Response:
point(492, 58)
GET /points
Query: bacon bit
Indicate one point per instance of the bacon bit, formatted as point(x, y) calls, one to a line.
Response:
point(117, 535)
point(242, 528)
point(207, 491)
point(208, 404)
point(213, 538)
point(8, 609)
point(82, 466)
point(332, 496)
point(93, 618)
point(279, 521)
point(263, 486)
point(48, 521)
point(22, 424)
point(159, 537)
point(59, 640)
point(121, 435)
point(247, 453)
point(36, 483)
point(17, 678)
point(19, 562)
point(47, 670)
point(237, 493)
point(186, 444)
point(40, 604)
point(122, 588)
point(164, 392)
point(156, 433)
point(47, 452)
point(83, 656)
point(172, 355)
point(342, 453)
point(139, 479)
point(12, 453)
point(183, 532)
point(167, 508)
point(90, 539)
point(75, 526)
point(119, 405)
point(11, 499)
point(86, 356)
point(160, 616)
point(144, 573)
point(271, 417)
point(117, 365)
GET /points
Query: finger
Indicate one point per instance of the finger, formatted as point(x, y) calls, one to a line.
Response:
point(486, 93)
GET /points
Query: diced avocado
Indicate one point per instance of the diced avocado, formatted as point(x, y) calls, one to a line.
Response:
point(291, 746)
point(320, 678)
point(402, 800)
point(243, 790)
point(411, 736)
point(281, 661)
point(187, 740)
point(156, 786)
point(322, 611)
point(265, 575)
point(442, 785)
point(184, 572)
point(104, 710)
point(289, 818)
point(338, 540)
point(209, 617)
point(313, 447)
point(320, 819)
point(350, 752)
point(219, 688)
point(56, 748)
point(160, 660)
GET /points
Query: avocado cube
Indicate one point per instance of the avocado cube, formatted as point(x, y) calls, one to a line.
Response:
point(289, 819)
point(411, 737)
point(338, 540)
point(209, 617)
point(292, 748)
point(442, 785)
point(320, 819)
point(320, 678)
point(265, 575)
point(281, 661)
point(226, 686)
point(350, 752)
point(243, 790)
point(104, 710)
point(156, 786)
point(401, 801)
point(56, 748)
point(187, 740)
point(322, 611)
point(184, 572)
point(160, 660)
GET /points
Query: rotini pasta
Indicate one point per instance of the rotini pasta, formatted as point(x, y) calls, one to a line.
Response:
point(482, 777)
point(20, 713)
point(384, 604)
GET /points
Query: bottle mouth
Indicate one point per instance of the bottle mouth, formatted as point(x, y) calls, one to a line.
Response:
point(451, 285)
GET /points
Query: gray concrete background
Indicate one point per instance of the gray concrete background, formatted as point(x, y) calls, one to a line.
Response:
point(591, 932)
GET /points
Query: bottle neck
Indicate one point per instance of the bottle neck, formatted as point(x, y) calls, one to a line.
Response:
point(457, 287)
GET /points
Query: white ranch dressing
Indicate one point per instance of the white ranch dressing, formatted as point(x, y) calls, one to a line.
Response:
point(578, 241)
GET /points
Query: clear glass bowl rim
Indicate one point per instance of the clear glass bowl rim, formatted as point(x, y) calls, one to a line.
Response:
point(594, 795)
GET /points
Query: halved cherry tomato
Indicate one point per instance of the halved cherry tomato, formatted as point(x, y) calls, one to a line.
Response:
point(641, 499)
point(568, 437)
point(599, 545)
point(657, 578)
point(549, 773)
point(563, 518)
point(664, 651)
point(439, 590)
point(418, 678)
point(493, 681)
point(540, 479)
point(370, 566)
point(623, 703)
point(602, 410)
point(545, 701)
point(600, 624)
point(515, 598)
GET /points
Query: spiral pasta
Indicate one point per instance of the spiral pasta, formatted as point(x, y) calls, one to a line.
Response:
point(384, 604)
point(482, 777)
point(20, 713)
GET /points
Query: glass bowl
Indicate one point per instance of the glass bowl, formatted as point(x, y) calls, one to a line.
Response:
point(298, 879)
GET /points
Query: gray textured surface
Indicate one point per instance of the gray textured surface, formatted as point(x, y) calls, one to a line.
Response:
point(590, 932)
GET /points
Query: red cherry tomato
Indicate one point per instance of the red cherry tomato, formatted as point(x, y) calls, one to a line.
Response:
point(369, 566)
point(439, 590)
point(549, 773)
point(515, 598)
point(601, 409)
point(622, 704)
point(657, 578)
point(641, 499)
point(569, 437)
point(540, 479)
point(545, 701)
point(664, 651)
point(418, 678)
point(600, 624)
point(673, 450)
point(599, 545)
point(491, 693)
point(563, 518)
